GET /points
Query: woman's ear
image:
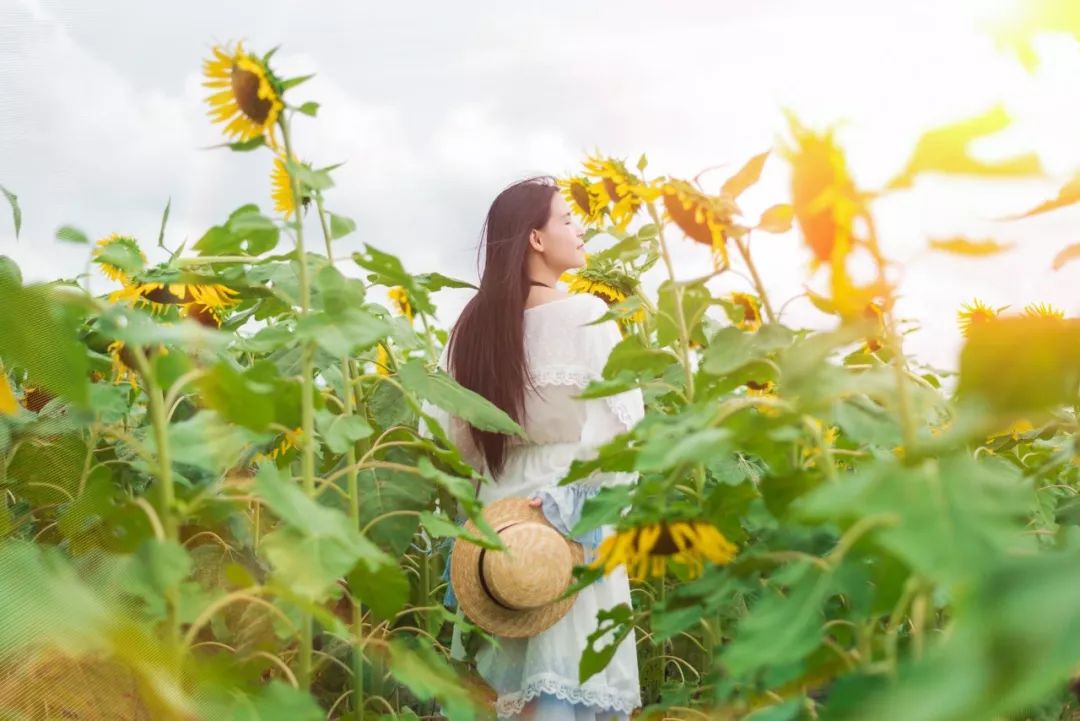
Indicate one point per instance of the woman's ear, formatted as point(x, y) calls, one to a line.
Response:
point(535, 242)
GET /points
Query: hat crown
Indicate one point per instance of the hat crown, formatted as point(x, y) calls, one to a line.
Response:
point(534, 570)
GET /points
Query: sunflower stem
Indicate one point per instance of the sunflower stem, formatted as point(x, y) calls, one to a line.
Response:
point(353, 480)
point(744, 251)
point(307, 410)
point(677, 290)
point(167, 492)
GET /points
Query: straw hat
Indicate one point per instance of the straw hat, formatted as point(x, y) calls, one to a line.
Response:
point(512, 593)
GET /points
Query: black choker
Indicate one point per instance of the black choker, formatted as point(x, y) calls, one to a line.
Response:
point(536, 282)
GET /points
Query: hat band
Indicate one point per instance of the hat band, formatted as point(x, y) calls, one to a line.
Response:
point(480, 572)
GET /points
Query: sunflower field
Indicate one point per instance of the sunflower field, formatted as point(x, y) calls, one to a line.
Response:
point(217, 500)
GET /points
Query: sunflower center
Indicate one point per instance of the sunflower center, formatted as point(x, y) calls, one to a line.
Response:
point(161, 295)
point(245, 87)
point(665, 543)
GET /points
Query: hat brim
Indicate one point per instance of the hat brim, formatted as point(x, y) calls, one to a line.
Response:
point(477, 606)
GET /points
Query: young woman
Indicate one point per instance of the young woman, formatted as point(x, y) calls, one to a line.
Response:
point(529, 348)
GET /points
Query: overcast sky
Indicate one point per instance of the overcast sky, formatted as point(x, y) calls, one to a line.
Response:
point(435, 107)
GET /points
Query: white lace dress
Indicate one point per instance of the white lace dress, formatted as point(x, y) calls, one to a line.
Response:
point(537, 677)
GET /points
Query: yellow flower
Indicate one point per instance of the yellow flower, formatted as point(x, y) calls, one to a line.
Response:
point(110, 270)
point(8, 405)
point(875, 312)
point(585, 198)
point(828, 438)
point(202, 302)
point(290, 439)
point(647, 550)
point(400, 296)
point(1043, 310)
point(618, 188)
point(247, 96)
point(974, 313)
point(282, 191)
point(751, 309)
point(124, 367)
point(602, 289)
point(704, 218)
point(1014, 431)
point(824, 196)
point(382, 360)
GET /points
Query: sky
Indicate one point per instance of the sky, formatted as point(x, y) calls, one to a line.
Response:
point(435, 107)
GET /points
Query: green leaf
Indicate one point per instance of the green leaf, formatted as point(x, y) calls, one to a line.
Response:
point(243, 398)
point(429, 676)
point(343, 333)
point(781, 628)
point(340, 226)
point(124, 256)
point(71, 234)
point(154, 569)
point(293, 82)
point(340, 432)
point(1018, 364)
point(699, 446)
point(440, 388)
point(309, 108)
point(730, 348)
point(385, 590)
point(246, 232)
point(10, 272)
point(747, 176)
point(317, 545)
point(40, 334)
point(16, 212)
point(164, 222)
point(633, 355)
point(244, 146)
point(696, 300)
point(206, 441)
point(617, 621)
point(310, 179)
point(274, 701)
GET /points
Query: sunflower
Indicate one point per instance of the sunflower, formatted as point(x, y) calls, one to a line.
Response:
point(704, 218)
point(289, 440)
point(110, 270)
point(766, 389)
point(618, 188)
point(974, 313)
point(751, 310)
point(1014, 431)
point(823, 193)
point(400, 296)
point(585, 198)
point(202, 302)
point(609, 286)
point(34, 398)
point(382, 360)
point(282, 190)
point(246, 94)
point(875, 313)
point(829, 435)
point(646, 550)
point(1043, 310)
point(124, 367)
point(8, 405)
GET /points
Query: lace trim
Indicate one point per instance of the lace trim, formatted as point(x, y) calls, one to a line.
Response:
point(572, 375)
point(604, 698)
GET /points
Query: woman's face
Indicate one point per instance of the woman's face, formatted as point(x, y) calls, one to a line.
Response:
point(560, 238)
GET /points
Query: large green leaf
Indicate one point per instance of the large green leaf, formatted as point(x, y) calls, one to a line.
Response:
point(246, 232)
point(441, 389)
point(317, 545)
point(39, 333)
point(429, 676)
point(696, 300)
point(730, 348)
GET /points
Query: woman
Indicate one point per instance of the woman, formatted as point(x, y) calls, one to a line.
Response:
point(524, 345)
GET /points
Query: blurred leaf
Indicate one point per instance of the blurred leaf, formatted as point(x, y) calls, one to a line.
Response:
point(71, 234)
point(206, 441)
point(963, 246)
point(696, 300)
point(156, 567)
point(121, 255)
point(16, 212)
point(385, 589)
point(39, 334)
point(343, 332)
point(293, 82)
point(386, 269)
point(701, 445)
point(164, 222)
point(947, 518)
point(10, 272)
point(1067, 254)
point(244, 398)
point(309, 108)
point(1017, 364)
point(730, 348)
point(1068, 195)
point(309, 178)
point(340, 226)
point(777, 219)
point(429, 676)
point(946, 150)
point(747, 176)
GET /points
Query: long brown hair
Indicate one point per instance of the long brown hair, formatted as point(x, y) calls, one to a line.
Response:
point(486, 346)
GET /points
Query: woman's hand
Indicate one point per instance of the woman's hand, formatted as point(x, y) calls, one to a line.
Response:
point(535, 502)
